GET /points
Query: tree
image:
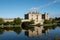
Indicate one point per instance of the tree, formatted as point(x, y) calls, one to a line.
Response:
point(12, 23)
point(26, 25)
point(17, 21)
point(38, 24)
point(6, 23)
point(32, 22)
point(53, 21)
point(47, 21)
point(1, 21)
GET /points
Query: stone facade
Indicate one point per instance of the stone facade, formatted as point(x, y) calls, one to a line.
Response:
point(23, 20)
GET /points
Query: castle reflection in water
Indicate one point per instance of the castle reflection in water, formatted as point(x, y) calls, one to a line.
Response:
point(37, 32)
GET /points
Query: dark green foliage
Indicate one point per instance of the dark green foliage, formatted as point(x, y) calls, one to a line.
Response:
point(53, 21)
point(32, 22)
point(26, 25)
point(1, 21)
point(50, 27)
point(47, 22)
point(38, 24)
point(57, 19)
point(16, 29)
point(9, 23)
point(12, 23)
point(1, 30)
point(6, 23)
point(17, 21)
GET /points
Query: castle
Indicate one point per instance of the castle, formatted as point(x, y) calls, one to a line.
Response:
point(36, 16)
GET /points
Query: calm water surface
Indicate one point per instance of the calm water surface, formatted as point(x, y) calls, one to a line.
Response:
point(48, 34)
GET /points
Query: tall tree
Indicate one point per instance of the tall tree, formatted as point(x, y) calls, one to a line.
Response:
point(17, 21)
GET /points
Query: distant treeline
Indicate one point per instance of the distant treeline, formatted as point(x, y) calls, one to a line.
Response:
point(16, 21)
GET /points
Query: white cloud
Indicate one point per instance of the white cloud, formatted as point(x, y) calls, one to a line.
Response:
point(48, 4)
point(33, 9)
point(45, 5)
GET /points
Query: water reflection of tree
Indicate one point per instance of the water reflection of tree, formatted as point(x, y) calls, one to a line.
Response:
point(17, 30)
point(1, 31)
point(58, 24)
point(50, 27)
point(47, 28)
point(27, 25)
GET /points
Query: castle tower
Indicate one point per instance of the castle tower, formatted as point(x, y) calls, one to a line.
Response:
point(45, 16)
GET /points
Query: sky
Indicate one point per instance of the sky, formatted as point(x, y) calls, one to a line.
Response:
point(17, 8)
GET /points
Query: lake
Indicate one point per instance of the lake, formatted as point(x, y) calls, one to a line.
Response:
point(38, 34)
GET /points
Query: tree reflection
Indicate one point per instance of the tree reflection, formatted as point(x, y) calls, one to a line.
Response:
point(16, 29)
point(50, 27)
point(47, 28)
point(1, 31)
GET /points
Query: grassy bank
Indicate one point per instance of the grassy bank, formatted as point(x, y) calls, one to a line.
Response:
point(54, 24)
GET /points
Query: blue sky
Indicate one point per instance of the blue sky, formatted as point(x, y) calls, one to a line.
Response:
point(17, 8)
